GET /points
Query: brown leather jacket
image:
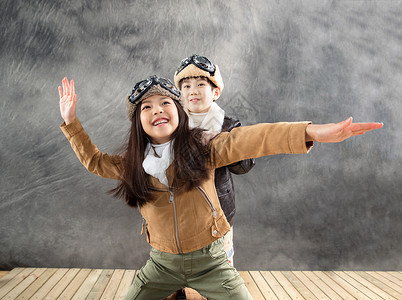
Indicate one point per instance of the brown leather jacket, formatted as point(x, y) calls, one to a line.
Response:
point(189, 221)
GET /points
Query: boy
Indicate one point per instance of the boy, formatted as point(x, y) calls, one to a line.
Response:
point(201, 84)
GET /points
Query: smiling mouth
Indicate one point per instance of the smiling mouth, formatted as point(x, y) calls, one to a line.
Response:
point(160, 122)
point(194, 100)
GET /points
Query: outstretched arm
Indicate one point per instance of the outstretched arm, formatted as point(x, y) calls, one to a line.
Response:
point(68, 100)
point(334, 133)
point(101, 164)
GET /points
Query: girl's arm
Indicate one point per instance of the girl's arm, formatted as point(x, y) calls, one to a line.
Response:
point(101, 164)
point(258, 140)
point(334, 133)
point(275, 138)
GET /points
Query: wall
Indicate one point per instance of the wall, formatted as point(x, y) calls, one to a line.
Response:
point(338, 207)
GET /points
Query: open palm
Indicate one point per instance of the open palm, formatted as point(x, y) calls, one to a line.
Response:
point(68, 100)
point(333, 133)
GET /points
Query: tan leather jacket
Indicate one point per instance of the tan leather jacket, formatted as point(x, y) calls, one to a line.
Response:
point(189, 221)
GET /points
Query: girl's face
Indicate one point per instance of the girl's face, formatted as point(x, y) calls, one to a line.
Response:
point(159, 118)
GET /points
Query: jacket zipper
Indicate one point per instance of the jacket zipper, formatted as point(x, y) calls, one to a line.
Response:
point(204, 194)
point(171, 200)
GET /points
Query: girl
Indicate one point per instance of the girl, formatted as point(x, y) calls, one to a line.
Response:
point(167, 171)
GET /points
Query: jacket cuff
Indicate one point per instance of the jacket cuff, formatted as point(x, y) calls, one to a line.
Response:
point(71, 129)
point(297, 138)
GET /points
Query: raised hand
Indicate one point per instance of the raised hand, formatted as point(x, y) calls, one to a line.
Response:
point(68, 100)
point(334, 133)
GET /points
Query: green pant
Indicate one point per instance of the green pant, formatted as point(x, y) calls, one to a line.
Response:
point(206, 270)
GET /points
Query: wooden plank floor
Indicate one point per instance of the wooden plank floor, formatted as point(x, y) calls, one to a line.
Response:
point(42, 283)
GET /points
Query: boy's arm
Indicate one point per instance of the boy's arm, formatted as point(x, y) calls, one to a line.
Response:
point(243, 166)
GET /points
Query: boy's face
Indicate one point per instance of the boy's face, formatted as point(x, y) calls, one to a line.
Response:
point(198, 94)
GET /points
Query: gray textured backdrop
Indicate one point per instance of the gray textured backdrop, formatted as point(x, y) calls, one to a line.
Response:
point(337, 208)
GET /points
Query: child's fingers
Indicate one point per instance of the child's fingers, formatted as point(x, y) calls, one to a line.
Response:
point(68, 88)
point(345, 126)
point(347, 122)
point(365, 126)
point(60, 92)
point(72, 87)
point(361, 128)
point(64, 86)
point(340, 126)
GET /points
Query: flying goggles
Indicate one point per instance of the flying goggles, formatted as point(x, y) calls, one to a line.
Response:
point(143, 86)
point(199, 61)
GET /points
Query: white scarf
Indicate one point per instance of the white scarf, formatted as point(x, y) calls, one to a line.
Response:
point(158, 158)
point(213, 120)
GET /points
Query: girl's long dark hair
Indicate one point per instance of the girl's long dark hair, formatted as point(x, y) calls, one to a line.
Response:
point(190, 161)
